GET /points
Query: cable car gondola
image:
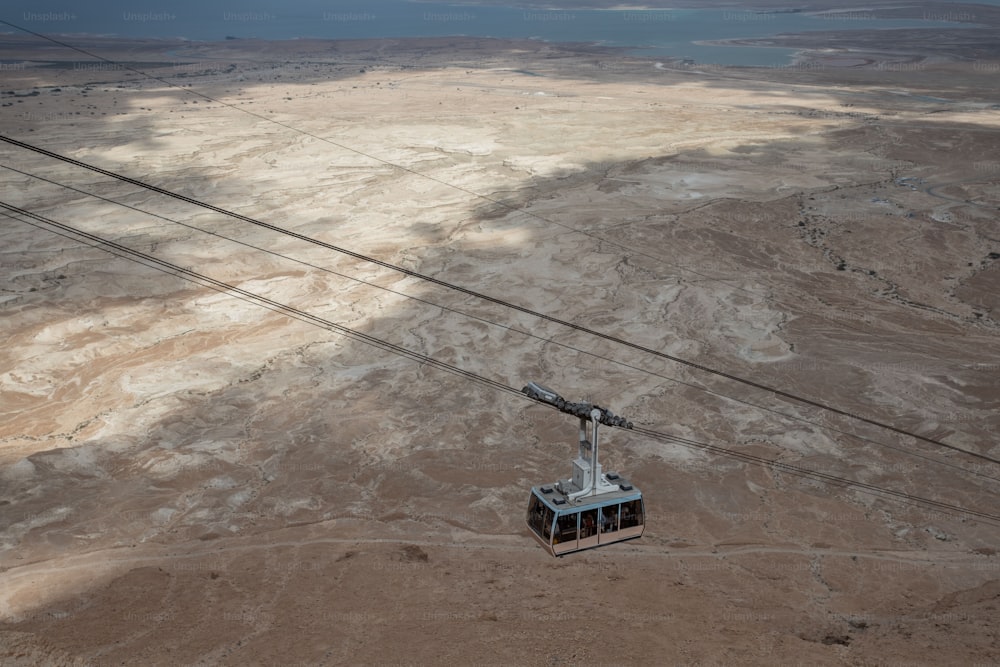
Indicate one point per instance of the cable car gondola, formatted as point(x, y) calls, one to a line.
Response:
point(592, 508)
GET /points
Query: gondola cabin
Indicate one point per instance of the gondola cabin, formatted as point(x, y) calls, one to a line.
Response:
point(592, 508)
point(562, 527)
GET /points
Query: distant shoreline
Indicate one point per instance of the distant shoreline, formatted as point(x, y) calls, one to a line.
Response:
point(855, 36)
point(641, 27)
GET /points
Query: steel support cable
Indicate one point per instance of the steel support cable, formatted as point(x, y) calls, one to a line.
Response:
point(813, 474)
point(245, 295)
point(226, 288)
point(502, 302)
point(512, 328)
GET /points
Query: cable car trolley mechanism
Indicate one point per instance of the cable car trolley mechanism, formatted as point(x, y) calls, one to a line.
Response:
point(592, 508)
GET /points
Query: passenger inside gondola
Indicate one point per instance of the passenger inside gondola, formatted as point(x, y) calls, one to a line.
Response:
point(547, 523)
point(610, 519)
point(631, 514)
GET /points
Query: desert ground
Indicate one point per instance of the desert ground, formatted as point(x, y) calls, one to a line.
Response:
point(190, 478)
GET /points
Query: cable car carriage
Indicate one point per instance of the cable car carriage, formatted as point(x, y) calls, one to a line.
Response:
point(592, 508)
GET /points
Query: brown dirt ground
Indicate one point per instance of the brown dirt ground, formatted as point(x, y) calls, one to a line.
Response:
point(190, 479)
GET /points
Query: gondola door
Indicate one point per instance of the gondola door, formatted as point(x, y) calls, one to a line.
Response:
point(566, 532)
point(632, 519)
point(589, 527)
point(609, 524)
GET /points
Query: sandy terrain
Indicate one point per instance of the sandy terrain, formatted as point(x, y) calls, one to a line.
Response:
point(188, 478)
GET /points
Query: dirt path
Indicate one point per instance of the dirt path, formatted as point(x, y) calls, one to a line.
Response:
point(21, 578)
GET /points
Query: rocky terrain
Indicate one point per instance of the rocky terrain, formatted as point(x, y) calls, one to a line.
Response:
point(190, 478)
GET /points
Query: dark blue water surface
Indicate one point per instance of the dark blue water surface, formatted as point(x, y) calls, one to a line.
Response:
point(666, 33)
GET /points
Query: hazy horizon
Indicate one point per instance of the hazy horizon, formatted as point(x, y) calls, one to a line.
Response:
point(667, 33)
